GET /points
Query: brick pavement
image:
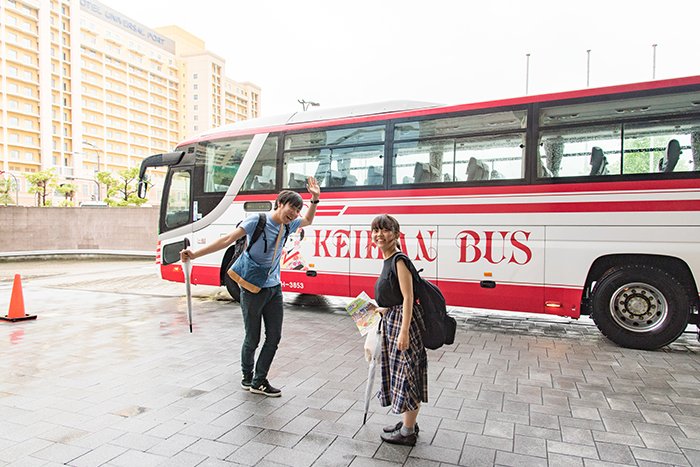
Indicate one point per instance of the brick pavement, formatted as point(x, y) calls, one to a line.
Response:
point(115, 379)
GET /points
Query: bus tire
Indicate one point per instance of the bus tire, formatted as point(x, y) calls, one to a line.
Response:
point(232, 286)
point(640, 307)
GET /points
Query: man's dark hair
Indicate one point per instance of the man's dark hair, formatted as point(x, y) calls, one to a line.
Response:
point(289, 197)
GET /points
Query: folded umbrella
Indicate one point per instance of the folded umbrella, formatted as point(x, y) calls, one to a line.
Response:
point(187, 269)
point(373, 363)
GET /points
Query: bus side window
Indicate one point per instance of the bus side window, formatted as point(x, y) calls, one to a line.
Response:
point(662, 147)
point(177, 210)
point(491, 157)
point(580, 152)
point(263, 174)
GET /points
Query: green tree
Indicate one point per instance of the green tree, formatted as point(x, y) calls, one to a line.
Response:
point(42, 183)
point(6, 187)
point(124, 191)
point(68, 191)
point(105, 178)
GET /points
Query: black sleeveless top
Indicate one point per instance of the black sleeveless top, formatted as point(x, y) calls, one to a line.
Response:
point(387, 291)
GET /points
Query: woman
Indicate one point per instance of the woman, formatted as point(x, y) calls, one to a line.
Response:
point(404, 361)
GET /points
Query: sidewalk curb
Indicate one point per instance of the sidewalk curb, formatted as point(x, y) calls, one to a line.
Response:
point(74, 254)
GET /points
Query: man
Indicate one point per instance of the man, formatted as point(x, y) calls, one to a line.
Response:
point(266, 305)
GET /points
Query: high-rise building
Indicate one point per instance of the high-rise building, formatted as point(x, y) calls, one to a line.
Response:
point(83, 88)
point(209, 99)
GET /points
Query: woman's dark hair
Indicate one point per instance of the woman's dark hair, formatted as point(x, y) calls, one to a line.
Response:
point(386, 222)
point(289, 197)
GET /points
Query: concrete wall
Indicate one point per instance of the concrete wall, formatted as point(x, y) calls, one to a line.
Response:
point(85, 228)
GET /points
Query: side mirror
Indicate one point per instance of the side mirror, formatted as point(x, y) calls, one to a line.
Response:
point(142, 188)
point(171, 252)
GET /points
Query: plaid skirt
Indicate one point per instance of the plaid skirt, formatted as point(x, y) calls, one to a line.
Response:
point(404, 374)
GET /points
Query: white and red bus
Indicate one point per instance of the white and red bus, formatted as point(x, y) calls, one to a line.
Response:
point(574, 203)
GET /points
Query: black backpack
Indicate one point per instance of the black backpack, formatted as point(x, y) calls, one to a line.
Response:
point(240, 244)
point(440, 327)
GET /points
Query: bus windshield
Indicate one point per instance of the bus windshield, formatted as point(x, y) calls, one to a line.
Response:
point(220, 161)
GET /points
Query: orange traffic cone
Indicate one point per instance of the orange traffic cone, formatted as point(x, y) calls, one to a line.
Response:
point(16, 312)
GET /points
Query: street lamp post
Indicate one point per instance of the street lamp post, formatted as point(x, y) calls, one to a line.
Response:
point(97, 152)
point(653, 61)
point(588, 68)
point(527, 73)
point(306, 104)
point(2, 172)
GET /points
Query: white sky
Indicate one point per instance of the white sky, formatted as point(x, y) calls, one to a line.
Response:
point(354, 52)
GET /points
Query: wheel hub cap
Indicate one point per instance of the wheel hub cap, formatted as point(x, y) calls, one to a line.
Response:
point(638, 307)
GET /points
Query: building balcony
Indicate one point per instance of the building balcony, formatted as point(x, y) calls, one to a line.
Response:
point(63, 171)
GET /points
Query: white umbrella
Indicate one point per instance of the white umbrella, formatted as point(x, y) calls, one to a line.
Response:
point(373, 363)
point(187, 269)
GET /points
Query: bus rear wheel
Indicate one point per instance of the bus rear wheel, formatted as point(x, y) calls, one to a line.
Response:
point(640, 307)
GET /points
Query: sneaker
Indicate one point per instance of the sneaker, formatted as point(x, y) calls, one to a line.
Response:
point(390, 428)
point(266, 389)
point(246, 382)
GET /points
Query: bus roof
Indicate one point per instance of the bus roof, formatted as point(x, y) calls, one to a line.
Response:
point(318, 115)
point(407, 108)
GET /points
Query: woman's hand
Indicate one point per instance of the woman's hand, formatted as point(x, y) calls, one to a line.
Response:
point(403, 340)
point(377, 309)
point(313, 188)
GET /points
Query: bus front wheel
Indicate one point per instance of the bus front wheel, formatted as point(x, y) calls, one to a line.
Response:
point(640, 307)
point(232, 286)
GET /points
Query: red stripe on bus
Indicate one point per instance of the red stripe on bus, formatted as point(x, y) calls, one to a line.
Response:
point(512, 297)
point(640, 186)
point(502, 208)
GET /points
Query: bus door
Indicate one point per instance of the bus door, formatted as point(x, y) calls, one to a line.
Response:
point(316, 260)
point(492, 267)
point(177, 216)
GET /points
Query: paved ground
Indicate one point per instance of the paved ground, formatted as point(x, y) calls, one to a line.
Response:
point(109, 375)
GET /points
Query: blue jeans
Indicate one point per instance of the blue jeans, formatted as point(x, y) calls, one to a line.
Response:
point(265, 306)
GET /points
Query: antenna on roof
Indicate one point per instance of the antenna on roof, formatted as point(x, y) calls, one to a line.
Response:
point(306, 104)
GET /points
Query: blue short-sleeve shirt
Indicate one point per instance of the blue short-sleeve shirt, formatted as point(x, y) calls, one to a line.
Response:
point(257, 251)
